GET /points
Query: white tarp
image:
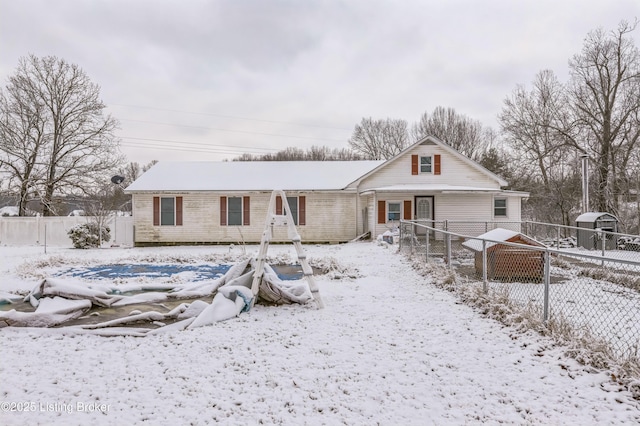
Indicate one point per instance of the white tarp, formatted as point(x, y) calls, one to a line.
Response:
point(58, 301)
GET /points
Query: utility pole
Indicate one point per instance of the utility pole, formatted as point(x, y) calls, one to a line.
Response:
point(585, 182)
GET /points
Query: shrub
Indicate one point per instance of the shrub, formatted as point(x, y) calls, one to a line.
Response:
point(86, 235)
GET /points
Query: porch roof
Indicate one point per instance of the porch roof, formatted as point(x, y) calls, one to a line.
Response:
point(442, 188)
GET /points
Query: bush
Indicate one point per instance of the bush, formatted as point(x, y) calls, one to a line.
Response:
point(86, 235)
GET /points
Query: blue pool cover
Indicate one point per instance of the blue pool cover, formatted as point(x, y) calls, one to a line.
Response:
point(199, 272)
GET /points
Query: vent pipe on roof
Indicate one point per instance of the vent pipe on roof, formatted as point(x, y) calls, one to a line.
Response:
point(585, 183)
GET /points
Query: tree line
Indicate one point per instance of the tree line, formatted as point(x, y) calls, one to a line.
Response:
point(57, 140)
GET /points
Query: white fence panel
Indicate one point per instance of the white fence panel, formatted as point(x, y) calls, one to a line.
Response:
point(52, 231)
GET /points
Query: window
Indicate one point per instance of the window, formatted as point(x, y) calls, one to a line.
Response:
point(235, 211)
point(298, 207)
point(293, 206)
point(167, 211)
point(500, 207)
point(393, 211)
point(425, 164)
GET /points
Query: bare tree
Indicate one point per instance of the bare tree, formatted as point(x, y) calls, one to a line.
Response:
point(345, 154)
point(130, 172)
point(605, 99)
point(379, 139)
point(529, 120)
point(149, 165)
point(22, 140)
point(119, 200)
point(99, 206)
point(58, 127)
point(318, 153)
point(462, 133)
point(534, 125)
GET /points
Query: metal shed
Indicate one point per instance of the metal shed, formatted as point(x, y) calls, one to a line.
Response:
point(591, 224)
point(506, 262)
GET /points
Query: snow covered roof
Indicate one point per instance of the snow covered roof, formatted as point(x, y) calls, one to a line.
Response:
point(593, 216)
point(251, 175)
point(498, 234)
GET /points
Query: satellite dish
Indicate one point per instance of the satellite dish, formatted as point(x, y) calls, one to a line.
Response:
point(117, 179)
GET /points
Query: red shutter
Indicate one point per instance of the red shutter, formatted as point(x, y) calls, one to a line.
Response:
point(302, 210)
point(436, 164)
point(414, 164)
point(382, 214)
point(246, 211)
point(178, 211)
point(223, 211)
point(278, 204)
point(156, 211)
point(407, 210)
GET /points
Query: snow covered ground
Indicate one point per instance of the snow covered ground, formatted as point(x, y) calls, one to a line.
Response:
point(389, 348)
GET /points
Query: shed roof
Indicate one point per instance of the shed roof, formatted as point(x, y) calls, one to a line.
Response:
point(499, 235)
point(251, 175)
point(593, 216)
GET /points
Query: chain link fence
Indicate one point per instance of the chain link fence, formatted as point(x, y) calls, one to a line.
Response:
point(552, 235)
point(590, 294)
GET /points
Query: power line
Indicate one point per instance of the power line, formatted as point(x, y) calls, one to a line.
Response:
point(181, 149)
point(229, 130)
point(192, 147)
point(231, 116)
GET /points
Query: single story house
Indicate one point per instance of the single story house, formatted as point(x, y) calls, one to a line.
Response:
point(332, 201)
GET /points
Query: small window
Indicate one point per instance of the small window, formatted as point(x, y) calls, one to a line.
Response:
point(234, 210)
point(167, 211)
point(393, 211)
point(500, 207)
point(425, 165)
point(293, 206)
point(297, 206)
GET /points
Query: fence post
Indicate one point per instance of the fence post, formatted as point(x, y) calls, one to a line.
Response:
point(448, 248)
point(400, 238)
point(412, 236)
point(485, 287)
point(547, 282)
point(427, 243)
point(558, 237)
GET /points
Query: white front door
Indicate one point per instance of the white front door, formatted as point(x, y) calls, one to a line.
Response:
point(424, 212)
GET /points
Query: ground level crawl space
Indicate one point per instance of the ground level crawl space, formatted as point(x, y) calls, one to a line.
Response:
point(389, 348)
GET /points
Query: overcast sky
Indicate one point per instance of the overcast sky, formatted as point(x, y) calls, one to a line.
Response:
point(208, 80)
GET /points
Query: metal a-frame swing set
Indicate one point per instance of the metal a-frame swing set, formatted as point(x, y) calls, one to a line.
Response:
point(284, 219)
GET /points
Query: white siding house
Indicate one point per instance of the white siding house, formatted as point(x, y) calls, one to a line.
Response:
point(431, 181)
point(226, 202)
